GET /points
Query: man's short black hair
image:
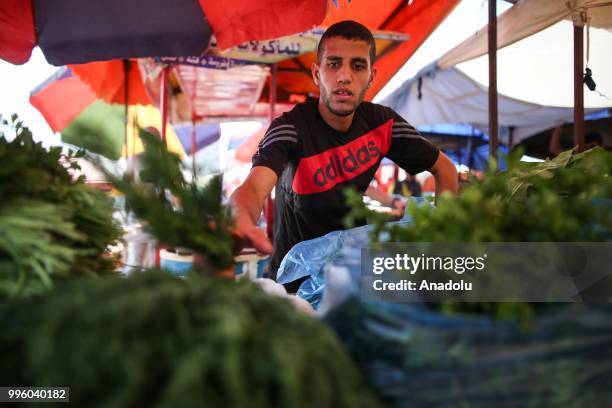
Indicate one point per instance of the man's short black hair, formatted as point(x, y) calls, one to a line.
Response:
point(349, 30)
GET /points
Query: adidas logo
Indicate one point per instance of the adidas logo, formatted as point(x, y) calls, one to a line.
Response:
point(339, 164)
point(345, 162)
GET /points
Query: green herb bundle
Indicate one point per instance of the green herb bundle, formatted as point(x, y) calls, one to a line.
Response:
point(196, 220)
point(490, 354)
point(566, 199)
point(53, 228)
point(558, 200)
point(154, 340)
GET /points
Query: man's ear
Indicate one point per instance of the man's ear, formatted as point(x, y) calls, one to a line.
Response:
point(314, 68)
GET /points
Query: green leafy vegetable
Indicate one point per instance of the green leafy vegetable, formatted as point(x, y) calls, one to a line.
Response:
point(555, 201)
point(53, 227)
point(154, 340)
point(566, 199)
point(196, 220)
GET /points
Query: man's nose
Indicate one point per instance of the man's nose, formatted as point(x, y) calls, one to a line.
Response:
point(344, 74)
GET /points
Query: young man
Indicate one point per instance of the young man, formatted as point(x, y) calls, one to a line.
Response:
point(315, 151)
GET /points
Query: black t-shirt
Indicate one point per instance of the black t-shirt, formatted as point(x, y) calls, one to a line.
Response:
point(315, 163)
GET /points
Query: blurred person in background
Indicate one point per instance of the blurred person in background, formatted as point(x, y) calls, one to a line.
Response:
point(409, 187)
point(591, 140)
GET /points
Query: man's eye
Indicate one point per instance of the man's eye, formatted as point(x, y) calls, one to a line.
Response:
point(359, 66)
point(332, 64)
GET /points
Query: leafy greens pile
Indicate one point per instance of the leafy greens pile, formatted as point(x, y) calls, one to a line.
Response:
point(559, 200)
point(53, 227)
point(566, 199)
point(484, 354)
point(196, 220)
point(154, 340)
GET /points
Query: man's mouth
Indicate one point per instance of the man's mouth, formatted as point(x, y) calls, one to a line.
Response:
point(343, 93)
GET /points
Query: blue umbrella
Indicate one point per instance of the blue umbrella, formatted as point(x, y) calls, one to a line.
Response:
point(205, 134)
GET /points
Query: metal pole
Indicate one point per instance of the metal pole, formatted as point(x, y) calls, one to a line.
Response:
point(126, 83)
point(164, 110)
point(269, 208)
point(273, 87)
point(193, 143)
point(194, 119)
point(578, 88)
point(126, 94)
point(164, 101)
point(493, 126)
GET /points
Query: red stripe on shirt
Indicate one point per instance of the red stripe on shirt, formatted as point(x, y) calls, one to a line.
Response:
point(325, 170)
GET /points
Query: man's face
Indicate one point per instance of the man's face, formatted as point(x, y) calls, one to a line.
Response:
point(344, 74)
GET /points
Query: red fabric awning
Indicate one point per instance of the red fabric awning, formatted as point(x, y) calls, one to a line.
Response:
point(238, 21)
point(417, 20)
point(129, 29)
point(17, 34)
point(69, 93)
point(107, 80)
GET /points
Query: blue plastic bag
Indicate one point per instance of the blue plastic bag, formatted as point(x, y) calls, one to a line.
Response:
point(309, 258)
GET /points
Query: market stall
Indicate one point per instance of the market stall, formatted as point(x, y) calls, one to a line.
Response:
point(191, 334)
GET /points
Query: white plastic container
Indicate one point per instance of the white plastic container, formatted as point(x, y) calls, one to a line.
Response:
point(177, 262)
point(250, 265)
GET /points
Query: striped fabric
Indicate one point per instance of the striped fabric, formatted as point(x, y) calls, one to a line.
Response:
point(404, 130)
point(277, 134)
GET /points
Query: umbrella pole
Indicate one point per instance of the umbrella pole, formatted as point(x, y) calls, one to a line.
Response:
point(164, 109)
point(193, 144)
point(126, 72)
point(269, 211)
point(492, 31)
point(164, 100)
point(578, 86)
point(272, 92)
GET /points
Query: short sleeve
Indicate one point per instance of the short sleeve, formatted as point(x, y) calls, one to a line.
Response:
point(409, 150)
point(277, 146)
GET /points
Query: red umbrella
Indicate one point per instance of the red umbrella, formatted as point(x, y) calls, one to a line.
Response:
point(415, 20)
point(76, 31)
point(71, 107)
point(17, 35)
point(109, 81)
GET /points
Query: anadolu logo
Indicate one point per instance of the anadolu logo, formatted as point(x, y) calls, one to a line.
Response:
point(323, 171)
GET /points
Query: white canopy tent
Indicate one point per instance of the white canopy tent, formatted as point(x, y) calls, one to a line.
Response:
point(535, 74)
point(529, 17)
point(539, 68)
point(449, 96)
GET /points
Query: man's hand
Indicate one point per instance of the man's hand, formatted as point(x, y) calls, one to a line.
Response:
point(247, 202)
point(399, 206)
point(252, 236)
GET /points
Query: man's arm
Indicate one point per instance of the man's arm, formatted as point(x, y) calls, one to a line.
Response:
point(380, 196)
point(247, 202)
point(445, 174)
point(398, 205)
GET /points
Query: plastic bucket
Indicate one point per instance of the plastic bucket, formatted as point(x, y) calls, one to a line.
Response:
point(178, 264)
point(251, 265)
